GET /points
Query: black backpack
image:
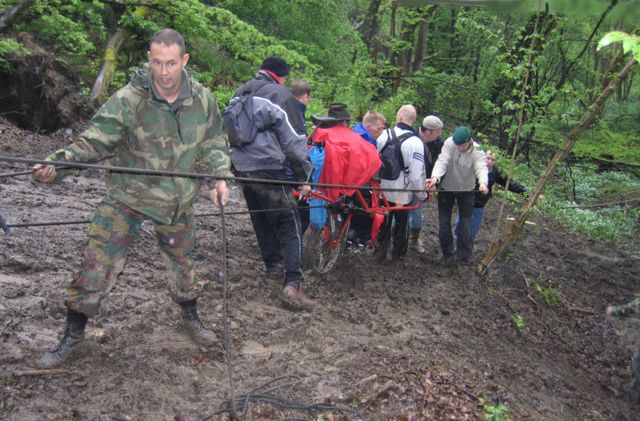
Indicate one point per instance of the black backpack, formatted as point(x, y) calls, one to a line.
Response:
point(239, 121)
point(391, 155)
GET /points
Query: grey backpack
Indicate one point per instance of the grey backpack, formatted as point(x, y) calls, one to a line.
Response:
point(239, 120)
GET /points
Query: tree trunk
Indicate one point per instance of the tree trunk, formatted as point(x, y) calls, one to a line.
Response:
point(511, 233)
point(371, 25)
point(419, 48)
point(524, 44)
point(14, 12)
point(100, 88)
point(392, 32)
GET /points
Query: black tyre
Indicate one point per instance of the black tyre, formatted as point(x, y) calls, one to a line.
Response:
point(322, 248)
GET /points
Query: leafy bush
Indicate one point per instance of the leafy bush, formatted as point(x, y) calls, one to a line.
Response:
point(9, 46)
point(83, 25)
point(498, 412)
point(518, 322)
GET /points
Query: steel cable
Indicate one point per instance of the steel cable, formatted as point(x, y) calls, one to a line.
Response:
point(263, 395)
point(228, 354)
point(199, 215)
point(200, 176)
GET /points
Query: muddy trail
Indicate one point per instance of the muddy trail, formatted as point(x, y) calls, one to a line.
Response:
point(406, 341)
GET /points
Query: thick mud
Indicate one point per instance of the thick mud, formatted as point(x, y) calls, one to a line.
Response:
point(406, 341)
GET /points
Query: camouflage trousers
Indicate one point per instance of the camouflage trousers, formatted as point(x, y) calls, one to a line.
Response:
point(111, 234)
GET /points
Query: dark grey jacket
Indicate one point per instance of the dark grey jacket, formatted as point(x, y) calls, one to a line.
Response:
point(282, 140)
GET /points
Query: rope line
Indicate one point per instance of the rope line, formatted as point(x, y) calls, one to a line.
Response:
point(15, 174)
point(228, 352)
point(263, 394)
point(328, 205)
point(200, 176)
point(199, 215)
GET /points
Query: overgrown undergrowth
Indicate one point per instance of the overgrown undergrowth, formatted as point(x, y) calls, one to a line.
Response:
point(602, 205)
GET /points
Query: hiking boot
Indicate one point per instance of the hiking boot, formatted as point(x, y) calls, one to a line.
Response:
point(397, 255)
point(450, 264)
point(448, 260)
point(193, 325)
point(73, 335)
point(295, 297)
point(465, 269)
point(380, 253)
point(416, 242)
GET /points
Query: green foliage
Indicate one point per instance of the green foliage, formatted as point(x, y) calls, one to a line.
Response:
point(9, 46)
point(603, 224)
point(604, 141)
point(82, 23)
point(296, 25)
point(518, 322)
point(389, 108)
point(603, 207)
point(630, 43)
point(498, 412)
point(548, 295)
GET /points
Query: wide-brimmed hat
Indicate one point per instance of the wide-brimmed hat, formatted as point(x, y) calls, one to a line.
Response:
point(336, 112)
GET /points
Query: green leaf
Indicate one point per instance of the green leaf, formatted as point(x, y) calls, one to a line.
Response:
point(629, 42)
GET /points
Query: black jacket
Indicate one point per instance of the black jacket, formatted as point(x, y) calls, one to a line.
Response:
point(495, 176)
point(282, 145)
point(431, 152)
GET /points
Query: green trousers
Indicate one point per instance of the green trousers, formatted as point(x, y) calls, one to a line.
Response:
point(111, 234)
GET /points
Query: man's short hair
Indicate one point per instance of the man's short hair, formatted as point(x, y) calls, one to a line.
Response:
point(406, 114)
point(371, 117)
point(169, 37)
point(276, 65)
point(299, 87)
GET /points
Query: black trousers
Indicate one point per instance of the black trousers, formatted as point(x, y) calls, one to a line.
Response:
point(398, 231)
point(464, 244)
point(278, 229)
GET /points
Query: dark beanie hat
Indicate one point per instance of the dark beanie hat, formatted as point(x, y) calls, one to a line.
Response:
point(276, 65)
point(461, 135)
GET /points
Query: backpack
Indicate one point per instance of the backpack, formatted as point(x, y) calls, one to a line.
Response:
point(391, 155)
point(239, 121)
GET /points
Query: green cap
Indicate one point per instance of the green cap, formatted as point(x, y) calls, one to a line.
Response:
point(462, 135)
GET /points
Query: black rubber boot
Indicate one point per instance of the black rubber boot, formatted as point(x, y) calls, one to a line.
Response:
point(194, 326)
point(73, 335)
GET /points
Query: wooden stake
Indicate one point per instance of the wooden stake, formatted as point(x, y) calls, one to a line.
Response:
point(39, 373)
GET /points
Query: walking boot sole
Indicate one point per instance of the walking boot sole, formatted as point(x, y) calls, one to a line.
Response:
point(54, 359)
point(208, 341)
point(291, 303)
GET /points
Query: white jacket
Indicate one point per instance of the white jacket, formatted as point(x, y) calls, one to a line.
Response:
point(456, 170)
point(414, 178)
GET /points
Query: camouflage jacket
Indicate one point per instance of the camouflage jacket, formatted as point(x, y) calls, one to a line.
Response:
point(139, 129)
point(631, 309)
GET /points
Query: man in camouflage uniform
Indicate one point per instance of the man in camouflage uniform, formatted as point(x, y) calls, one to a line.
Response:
point(631, 309)
point(162, 120)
